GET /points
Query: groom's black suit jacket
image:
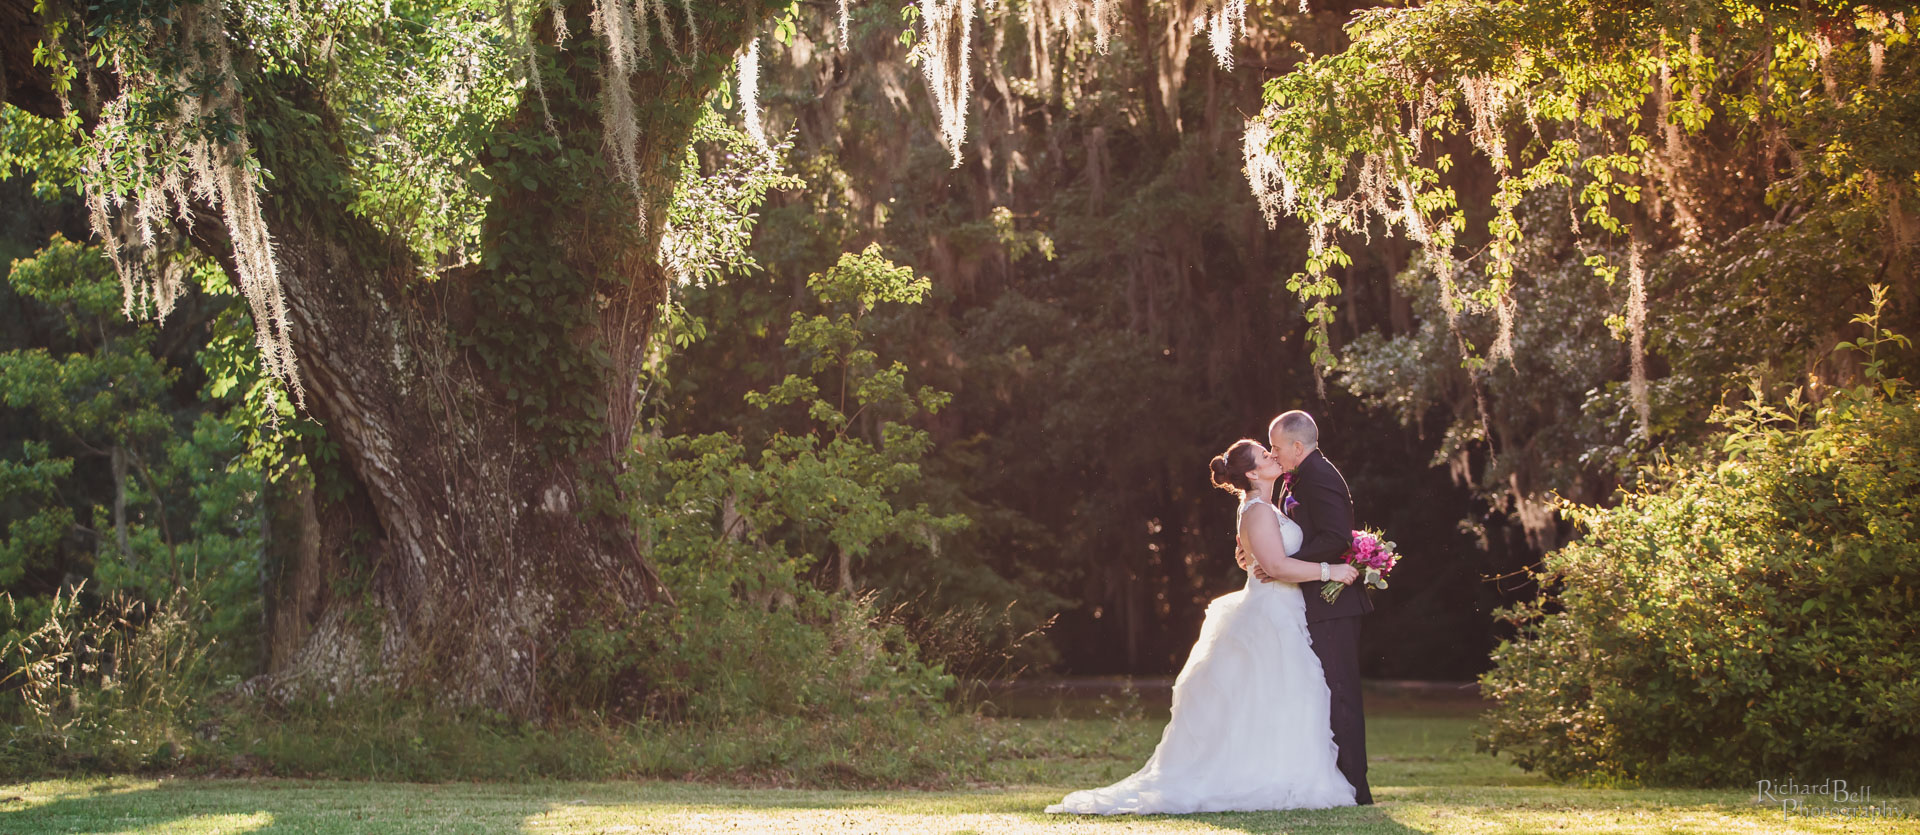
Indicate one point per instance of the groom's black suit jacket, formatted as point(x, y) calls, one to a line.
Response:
point(1325, 517)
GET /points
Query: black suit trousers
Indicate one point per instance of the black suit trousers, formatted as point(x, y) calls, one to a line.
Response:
point(1337, 642)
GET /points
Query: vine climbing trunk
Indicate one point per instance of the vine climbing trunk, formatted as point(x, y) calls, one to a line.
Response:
point(483, 540)
point(472, 518)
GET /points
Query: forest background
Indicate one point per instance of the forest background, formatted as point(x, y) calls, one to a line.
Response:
point(1105, 308)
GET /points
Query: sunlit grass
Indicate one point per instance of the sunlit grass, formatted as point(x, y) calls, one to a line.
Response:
point(1426, 777)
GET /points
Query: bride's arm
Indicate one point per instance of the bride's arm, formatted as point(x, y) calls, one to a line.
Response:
point(1261, 534)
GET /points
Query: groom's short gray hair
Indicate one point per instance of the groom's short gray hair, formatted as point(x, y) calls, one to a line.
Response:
point(1297, 425)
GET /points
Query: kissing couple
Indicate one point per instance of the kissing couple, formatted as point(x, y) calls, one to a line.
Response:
point(1266, 712)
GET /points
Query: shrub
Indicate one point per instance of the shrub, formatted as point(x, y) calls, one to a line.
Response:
point(735, 530)
point(1749, 612)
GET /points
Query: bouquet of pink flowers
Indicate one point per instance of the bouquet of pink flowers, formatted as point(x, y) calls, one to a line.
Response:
point(1373, 555)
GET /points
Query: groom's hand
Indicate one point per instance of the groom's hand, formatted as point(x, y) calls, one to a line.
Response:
point(1245, 558)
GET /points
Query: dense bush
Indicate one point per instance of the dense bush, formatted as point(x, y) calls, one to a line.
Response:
point(1749, 612)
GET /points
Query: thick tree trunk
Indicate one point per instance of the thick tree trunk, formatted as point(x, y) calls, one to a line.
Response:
point(467, 526)
point(484, 540)
point(498, 529)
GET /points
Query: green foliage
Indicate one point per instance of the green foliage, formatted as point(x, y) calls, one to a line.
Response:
point(147, 498)
point(40, 148)
point(1749, 610)
point(1095, 286)
point(33, 538)
point(788, 367)
point(107, 395)
point(1765, 305)
point(724, 178)
point(102, 398)
point(831, 342)
point(175, 99)
point(1556, 407)
point(1363, 134)
point(535, 304)
point(733, 530)
point(415, 87)
point(259, 413)
point(1726, 146)
point(1768, 304)
point(420, 90)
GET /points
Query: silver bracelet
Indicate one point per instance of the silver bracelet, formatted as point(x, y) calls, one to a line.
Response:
point(1326, 572)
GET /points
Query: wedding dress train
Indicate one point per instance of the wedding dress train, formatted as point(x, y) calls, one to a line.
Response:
point(1249, 729)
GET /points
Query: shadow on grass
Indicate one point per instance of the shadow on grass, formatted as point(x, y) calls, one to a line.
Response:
point(274, 806)
point(1417, 760)
point(1426, 757)
point(1373, 820)
point(287, 806)
point(1004, 810)
point(277, 806)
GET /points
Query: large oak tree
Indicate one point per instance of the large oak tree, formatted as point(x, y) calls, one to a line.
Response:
point(480, 405)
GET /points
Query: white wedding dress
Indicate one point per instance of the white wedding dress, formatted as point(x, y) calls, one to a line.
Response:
point(1249, 729)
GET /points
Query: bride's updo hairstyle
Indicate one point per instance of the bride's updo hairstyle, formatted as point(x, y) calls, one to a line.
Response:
point(1230, 467)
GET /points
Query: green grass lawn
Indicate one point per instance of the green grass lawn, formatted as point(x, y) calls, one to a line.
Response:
point(1425, 773)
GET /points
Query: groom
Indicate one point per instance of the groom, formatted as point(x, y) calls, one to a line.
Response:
point(1325, 517)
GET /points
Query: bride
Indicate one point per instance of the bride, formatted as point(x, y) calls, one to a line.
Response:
point(1249, 728)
